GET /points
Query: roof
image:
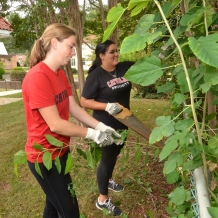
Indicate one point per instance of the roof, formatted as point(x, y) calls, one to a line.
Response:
point(4, 24)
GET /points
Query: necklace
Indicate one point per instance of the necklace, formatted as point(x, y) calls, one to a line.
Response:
point(114, 73)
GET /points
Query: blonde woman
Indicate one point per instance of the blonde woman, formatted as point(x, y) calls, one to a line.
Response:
point(48, 100)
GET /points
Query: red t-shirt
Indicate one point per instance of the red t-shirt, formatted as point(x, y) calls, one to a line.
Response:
point(41, 88)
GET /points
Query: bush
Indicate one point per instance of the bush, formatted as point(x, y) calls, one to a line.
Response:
point(149, 92)
point(74, 70)
point(18, 73)
point(2, 71)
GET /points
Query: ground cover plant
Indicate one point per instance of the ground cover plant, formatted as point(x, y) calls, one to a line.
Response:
point(145, 190)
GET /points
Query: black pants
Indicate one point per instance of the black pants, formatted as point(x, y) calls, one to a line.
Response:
point(59, 201)
point(106, 166)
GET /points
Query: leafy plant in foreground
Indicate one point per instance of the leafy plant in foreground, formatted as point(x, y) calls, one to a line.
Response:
point(92, 155)
point(189, 133)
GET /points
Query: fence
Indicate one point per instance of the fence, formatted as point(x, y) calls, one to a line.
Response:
point(17, 84)
point(10, 84)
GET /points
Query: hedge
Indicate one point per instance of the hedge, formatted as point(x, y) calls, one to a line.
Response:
point(18, 73)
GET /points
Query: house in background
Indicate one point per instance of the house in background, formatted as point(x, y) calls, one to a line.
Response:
point(5, 31)
point(10, 61)
point(87, 51)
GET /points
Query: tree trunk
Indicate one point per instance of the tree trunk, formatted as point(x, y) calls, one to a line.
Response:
point(114, 36)
point(77, 24)
point(102, 14)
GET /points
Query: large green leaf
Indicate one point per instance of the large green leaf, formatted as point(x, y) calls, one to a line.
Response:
point(145, 71)
point(213, 142)
point(192, 17)
point(178, 98)
point(165, 128)
point(53, 141)
point(81, 152)
point(139, 7)
point(172, 177)
point(210, 77)
point(166, 88)
point(37, 168)
point(185, 124)
point(136, 40)
point(167, 149)
point(213, 211)
point(20, 157)
point(179, 195)
point(134, 3)
point(113, 17)
point(96, 154)
point(90, 159)
point(38, 147)
point(69, 163)
point(169, 166)
point(177, 157)
point(206, 49)
point(170, 145)
point(167, 8)
point(47, 160)
point(57, 164)
point(144, 24)
point(191, 165)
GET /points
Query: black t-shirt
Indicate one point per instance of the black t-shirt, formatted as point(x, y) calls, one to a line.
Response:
point(103, 87)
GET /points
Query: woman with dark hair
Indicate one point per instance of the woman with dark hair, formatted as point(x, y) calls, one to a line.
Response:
point(48, 101)
point(104, 87)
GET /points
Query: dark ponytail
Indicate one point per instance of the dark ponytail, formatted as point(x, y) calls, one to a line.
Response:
point(101, 48)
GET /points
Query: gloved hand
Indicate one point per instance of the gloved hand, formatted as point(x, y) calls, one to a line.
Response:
point(118, 141)
point(113, 108)
point(101, 138)
point(107, 129)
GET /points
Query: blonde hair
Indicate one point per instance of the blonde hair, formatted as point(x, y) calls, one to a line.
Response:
point(43, 44)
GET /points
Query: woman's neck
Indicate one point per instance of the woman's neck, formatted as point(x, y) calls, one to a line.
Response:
point(51, 65)
point(108, 68)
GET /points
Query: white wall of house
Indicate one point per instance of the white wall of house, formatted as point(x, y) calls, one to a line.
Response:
point(3, 50)
point(86, 53)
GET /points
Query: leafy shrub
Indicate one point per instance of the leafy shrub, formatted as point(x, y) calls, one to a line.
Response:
point(74, 70)
point(2, 71)
point(149, 92)
point(18, 73)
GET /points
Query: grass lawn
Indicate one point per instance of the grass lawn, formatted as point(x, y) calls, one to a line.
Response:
point(145, 187)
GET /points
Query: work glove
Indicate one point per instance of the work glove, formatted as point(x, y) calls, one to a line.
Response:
point(113, 108)
point(107, 129)
point(101, 138)
point(118, 141)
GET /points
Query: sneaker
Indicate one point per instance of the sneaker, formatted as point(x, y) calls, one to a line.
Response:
point(112, 185)
point(108, 205)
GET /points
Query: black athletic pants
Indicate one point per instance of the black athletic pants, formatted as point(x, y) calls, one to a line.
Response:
point(59, 201)
point(106, 166)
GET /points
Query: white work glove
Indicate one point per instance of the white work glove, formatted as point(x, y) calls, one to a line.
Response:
point(113, 108)
point(118, 141)
point(101, 138)
point(107, 129)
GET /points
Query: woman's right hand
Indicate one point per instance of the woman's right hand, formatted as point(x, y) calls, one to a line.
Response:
point(113, 108)
point(101, 138)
